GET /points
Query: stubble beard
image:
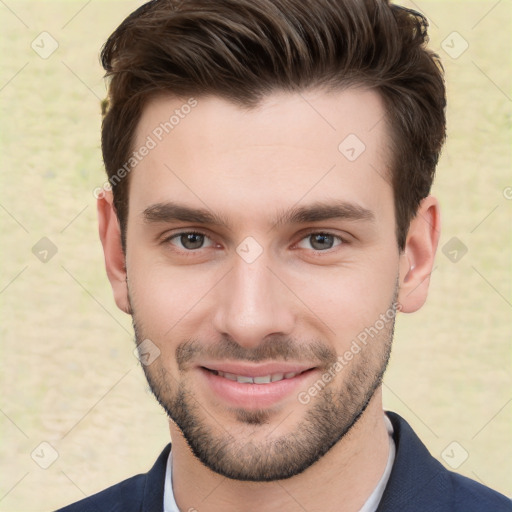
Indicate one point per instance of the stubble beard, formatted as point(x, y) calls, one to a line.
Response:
point(330, 415)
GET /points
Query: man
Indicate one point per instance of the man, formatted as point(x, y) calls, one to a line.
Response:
point(270, 164)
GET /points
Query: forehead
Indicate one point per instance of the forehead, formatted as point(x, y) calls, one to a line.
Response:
point(290, 148)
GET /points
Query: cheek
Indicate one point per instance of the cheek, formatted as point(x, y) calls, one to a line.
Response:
point(165, 298)
point(349, 300)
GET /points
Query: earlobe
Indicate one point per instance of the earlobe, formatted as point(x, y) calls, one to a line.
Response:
point(417, 259)
point(115, 263)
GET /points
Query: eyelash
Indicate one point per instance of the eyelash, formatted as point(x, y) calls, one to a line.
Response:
point(342, 241)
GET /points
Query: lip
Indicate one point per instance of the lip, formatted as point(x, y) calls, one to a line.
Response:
point(255, 396)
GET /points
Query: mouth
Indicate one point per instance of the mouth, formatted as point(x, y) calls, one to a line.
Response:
point(255, 387)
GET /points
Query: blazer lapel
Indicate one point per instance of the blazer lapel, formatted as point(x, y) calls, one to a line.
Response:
point(417, 480)
point(153, 499)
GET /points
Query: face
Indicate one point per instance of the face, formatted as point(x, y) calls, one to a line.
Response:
point(261, 250)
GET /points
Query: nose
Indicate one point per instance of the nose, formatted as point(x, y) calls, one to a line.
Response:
point(253, 303)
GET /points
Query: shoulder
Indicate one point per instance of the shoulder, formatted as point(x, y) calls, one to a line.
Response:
point(125, 496)
point(421, 483)
point(140, 493)
point(471, 496)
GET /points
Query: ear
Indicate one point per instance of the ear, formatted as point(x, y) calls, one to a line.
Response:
point(417, 259)
point(110, 236)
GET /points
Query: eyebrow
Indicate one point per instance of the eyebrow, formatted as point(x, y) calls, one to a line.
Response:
point(325, 211)
point(169, 212)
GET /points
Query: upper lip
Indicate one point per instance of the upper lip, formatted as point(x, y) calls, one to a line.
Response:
point(257, 370)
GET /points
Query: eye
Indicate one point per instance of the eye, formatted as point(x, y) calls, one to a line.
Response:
point(320, 241)
point(190, 241)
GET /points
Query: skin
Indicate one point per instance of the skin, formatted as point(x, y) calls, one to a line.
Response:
point(250, 166)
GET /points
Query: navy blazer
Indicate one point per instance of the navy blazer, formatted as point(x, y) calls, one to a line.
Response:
point(418, 483)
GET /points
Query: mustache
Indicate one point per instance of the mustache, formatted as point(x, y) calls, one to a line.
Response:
point(274, 347)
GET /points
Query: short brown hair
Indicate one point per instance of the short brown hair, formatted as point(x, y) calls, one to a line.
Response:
point(242, 50)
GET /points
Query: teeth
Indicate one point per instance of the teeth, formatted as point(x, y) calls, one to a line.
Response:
point(265, 379)
point(262, 380)
point(242, 379)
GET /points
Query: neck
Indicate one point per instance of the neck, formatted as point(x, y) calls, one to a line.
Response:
point(342, 480)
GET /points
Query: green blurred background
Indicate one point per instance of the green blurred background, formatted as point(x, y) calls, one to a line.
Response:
point(68, 376)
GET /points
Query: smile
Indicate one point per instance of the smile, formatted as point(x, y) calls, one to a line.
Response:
point(264, 379)
point(255, 386)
